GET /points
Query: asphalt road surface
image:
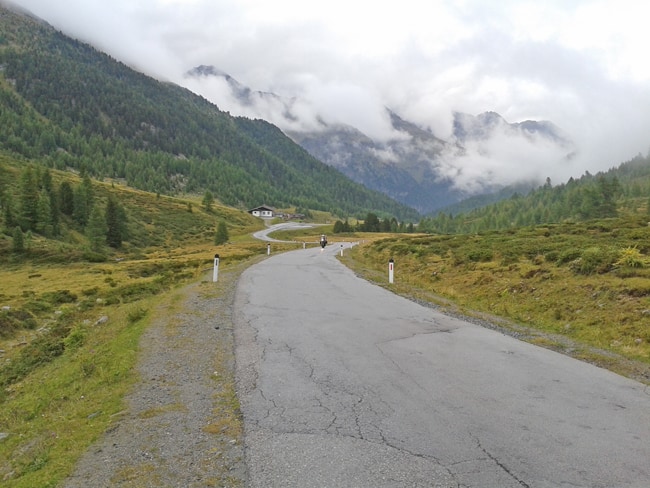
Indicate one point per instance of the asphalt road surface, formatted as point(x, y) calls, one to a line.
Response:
point(344, 384)
point(263, 235)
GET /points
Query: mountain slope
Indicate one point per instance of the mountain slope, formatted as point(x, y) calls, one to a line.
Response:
point(413, 165)
point(71, 106)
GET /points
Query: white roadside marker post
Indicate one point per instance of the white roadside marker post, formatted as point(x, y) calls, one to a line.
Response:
point(391, 270)
point(341, 249)
point(268, 249)
point(215, 273)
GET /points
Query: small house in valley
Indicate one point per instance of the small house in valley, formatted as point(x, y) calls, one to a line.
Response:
point(263, 211)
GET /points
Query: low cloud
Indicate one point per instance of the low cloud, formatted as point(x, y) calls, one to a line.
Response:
point(505, 158)
point(578, 64)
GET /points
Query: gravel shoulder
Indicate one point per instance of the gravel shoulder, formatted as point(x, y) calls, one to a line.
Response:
point(182, 426)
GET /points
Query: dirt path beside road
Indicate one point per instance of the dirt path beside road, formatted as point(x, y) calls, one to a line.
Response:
point(182, 426)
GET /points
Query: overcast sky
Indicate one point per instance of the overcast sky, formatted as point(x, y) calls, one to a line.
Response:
point(580, 64)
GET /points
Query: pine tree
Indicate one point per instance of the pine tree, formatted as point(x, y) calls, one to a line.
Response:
point(221, 237)
point(115, 223)
point(10, 220)
point(88, 192)
point(208, 201)
point(80, 212)
point(66, 198)
point(44, 223)
point(55, 212)
point(29, 195)
point(18, 240)
point(96, 230)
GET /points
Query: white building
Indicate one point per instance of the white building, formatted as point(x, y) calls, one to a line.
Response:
point(263, 211)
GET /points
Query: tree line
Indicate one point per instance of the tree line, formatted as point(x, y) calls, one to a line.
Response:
point(625, 188)
point(39, 206)
point(372, 223)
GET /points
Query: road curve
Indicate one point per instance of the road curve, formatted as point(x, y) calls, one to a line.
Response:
point(263, 235)
point(344, 384)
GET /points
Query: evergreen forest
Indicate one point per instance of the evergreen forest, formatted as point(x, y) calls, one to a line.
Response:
point(67, 106)
point(621, 191)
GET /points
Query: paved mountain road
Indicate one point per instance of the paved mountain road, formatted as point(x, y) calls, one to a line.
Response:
point(344, 384)
point(263, 235)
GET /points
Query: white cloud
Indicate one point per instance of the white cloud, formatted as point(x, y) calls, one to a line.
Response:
point(579, 63)
point(505, 158)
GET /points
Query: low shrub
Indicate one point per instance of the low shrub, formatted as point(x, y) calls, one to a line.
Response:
point(136, 314)
point(568, 256)
point(75, 339)
point(60, 296)
point(90, 291)
point(40, 351)
point(631, 257)
point(39, 306)
point(95, 257)
point(594, 259)
point(13, 320)
point(552, 256)
point(480, 255)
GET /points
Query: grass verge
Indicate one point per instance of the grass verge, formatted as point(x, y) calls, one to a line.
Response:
point(54, 408)
point(562, 287)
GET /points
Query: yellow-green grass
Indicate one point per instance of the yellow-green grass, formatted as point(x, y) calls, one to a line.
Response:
point(69, 328)
point(51, 416)
point(53, 412)
point(519, 280)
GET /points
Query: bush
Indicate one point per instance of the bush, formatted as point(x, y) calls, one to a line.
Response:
point(631, 257)
point(90, 291)
point(552, 256)
point(39, 306)
point(95, 257)
point(42, 350)
point(480, 255)
point(74, 340)
point(60, 296)
point(401, 249)
point(593, 260)
point(136, 314)
point(568, 256)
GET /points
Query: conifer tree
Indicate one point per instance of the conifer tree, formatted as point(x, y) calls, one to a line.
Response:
point(208, 200)
point(9, 215)
point(18, 240)
point(29, 195)
point(55, 212)
point(115, 223)
point(44, 222)
point(96, 230)
point(221, 237)
point(66, 198)
point(80, 210)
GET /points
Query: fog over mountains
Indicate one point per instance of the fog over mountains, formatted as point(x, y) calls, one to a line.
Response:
point(408, 162)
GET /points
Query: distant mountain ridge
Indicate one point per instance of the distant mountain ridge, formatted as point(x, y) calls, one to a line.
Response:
point(468, 127)
point(408, 168)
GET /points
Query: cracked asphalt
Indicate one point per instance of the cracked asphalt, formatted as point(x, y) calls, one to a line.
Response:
point(344, 384)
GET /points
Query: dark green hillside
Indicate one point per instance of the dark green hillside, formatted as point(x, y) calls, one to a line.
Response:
point(67, 105)
point(621, 191)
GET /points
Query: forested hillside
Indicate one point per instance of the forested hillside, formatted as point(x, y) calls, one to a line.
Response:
point(68, 106)
point(625, 189)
